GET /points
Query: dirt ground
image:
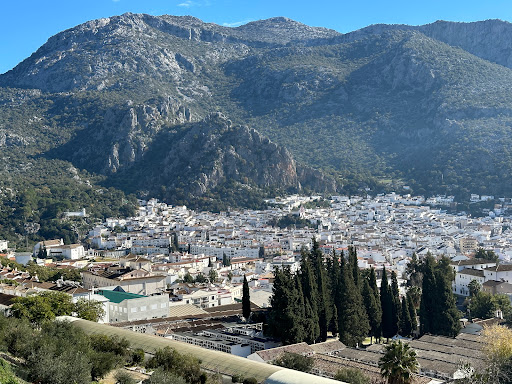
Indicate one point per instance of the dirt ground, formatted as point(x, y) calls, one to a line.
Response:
point(110, 378)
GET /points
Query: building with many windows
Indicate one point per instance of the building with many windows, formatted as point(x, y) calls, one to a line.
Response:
point(125, 306)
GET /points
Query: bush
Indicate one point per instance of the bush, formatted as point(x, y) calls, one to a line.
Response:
point(6, 375)
point(123, 377)
point(138, 356)
point(185, 366)
point(352, 376)
point(250, 380)
point(295, 361)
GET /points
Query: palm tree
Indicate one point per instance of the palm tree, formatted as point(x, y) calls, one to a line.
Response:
point(398, 363)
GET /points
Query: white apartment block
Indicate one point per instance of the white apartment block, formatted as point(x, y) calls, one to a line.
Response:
point(72, 251)
point(206, 298)
point(466, 276)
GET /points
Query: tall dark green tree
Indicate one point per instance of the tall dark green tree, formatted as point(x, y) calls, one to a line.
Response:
point(246, 300)
point(334, 280)
point(285, 320)
point(387, 307)
point(310, 291)
point(372, 280)
point(333, 326)
point(438, 312)
point(352, 262)
point(352, 318)
point(428, 301)
point(311, 326)
point(414, 272)
point(298, 304)
point(175, 246)
point(316, 252)
point(323, 301)
point(447, 316)
point(373, 309)
point(412, 313)
point(405, 319)
point(395, 299)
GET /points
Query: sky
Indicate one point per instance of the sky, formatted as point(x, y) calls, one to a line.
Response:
point(25, 25)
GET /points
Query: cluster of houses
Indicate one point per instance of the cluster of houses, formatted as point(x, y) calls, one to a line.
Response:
point(167, 265)
point(385, 230)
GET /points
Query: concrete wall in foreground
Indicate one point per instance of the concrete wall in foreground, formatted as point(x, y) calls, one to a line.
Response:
point(288, 376)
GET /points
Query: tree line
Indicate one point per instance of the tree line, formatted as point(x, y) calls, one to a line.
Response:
point(332, 295)
point(56, 352)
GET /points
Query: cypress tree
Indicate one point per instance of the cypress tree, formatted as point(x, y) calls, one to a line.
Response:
point(352, 261)
point(311, 328)
point(334, 277)
point(373, 309)
point(324, 306)
point(175, 243)
point(447, 316)
point(412, 313)
point(395, 299)
point(42, 254)
point(310, 290)
point(428, 303)
point(333, 326)
point(438, 312)
point(246, 301)
point(285, 319)
point(387, 307)
point(353, 320)
point(299, 308)
point(378, 310)
point(334, 297)
point(315, 253)
point(405, 319)
point(341, 297)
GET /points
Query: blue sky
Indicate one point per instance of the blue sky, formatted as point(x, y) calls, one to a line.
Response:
point(27, 24)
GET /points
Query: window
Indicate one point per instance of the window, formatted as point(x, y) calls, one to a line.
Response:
point(134, 310)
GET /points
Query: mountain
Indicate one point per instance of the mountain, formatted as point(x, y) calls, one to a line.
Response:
point(211, 116)
point(489, 39)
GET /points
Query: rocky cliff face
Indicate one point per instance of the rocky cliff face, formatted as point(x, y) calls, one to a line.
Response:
point(120, 135)
point(213, 151)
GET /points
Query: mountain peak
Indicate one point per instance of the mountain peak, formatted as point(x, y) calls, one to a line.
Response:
point(282, 30)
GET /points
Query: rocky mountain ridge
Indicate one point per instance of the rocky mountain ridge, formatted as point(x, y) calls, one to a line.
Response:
point(170, 97)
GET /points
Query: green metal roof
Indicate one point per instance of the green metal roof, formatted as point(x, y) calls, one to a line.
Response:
point(117, 297)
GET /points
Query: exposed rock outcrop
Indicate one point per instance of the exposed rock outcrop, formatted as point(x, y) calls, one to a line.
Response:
point(214, 150)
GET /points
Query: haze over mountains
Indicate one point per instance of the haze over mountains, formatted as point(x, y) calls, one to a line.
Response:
point(195, 113)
